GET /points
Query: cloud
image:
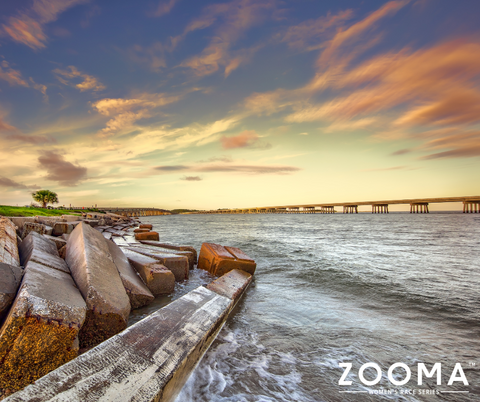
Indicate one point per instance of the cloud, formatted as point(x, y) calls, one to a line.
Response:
point(60, 170)
point(31, 139)
point(171, 168)
point(153, 56)
point(164, 7)
point(125, 112)
point(310, 34)
point(456, 144)
point(87, 83)
point(192, 178)
point(13, 77)
point(401, 152)
point(8, 183)
point(244, 139)
point(237, 17)
point(93, 11)
point(27, 26)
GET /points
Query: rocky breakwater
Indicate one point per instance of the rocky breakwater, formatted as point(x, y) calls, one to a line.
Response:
point(78, 287)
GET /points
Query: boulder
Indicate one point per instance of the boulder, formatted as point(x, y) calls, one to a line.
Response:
point(175, 263)
point(218, 260)
point(59, 242)
point(137, 292)
point(147, 236)
point(188, 249)
point(159, 279)
point(39, 249)
point(40, 331)
point(146, 226)
point(8, 243)
point(10, 278)
point(97, 277)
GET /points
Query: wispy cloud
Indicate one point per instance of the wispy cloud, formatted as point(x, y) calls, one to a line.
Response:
point(12, 76)
point(27, 26)
point(237, 17)
point(244, 139)
point(164, 7)
point(192, 178)
point(87, 82)
point(60, 170)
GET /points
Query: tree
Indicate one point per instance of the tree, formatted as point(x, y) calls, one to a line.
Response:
point(45, 197)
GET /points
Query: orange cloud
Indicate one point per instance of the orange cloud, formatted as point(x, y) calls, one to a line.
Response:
point(13, 77)
point(88, 82)
point(242, 140)
point(27, 26)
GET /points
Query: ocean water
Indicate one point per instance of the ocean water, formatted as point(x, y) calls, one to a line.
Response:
point(331, 289)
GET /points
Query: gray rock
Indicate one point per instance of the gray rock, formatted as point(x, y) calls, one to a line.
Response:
point(137, 292)
point(39, 333)
point(97, 277)
point(39, 249)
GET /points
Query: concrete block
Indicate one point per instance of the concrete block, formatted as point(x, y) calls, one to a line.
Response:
point(159, 279)
point(139, 230)
point(48, 230)
point(10, 278)
point(40, 331)
point(185, 249)
point(65, 236)
point(59, 242)
point(62, 253)
point(18, 221)
point(97, 277)
point(39, 249)
point(71, 218)
point(219, 260)
point(232, 285)
point(175, 263)
point(150, 361)
point(147, 236)
point(137, 292)
point(146, 226)
point(61, 228)
point(29, 227)
point(48, 220)
point(8, 243)
point(107, 235)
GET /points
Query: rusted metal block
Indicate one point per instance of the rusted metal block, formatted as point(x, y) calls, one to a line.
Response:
point(97, 277)
point(218, 260)
point(188, 249)
point(146, 226)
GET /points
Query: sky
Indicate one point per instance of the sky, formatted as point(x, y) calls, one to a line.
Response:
point(234, 104)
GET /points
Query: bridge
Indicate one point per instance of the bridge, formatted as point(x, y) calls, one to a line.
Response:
point(135, 212)
point(471, 204)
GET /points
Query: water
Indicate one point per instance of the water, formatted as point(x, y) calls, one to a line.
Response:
point(340, 288)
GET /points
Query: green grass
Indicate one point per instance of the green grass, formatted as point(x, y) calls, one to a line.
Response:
point(6, 210)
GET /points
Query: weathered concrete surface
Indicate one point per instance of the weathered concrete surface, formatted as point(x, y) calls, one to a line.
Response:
point(150, 361)
point(10, 278)
point(8, 243)
point(38, 248)
point(63, 227)
point(159, 279)
point(219, 260)
point(137, 292)
point(175, 263)
point(29, 227)
point(147, 236)
point(173, 247)
point(146, 226)
point(40, 331)
point(232, 285)
point(99, 282)
point(59, 242)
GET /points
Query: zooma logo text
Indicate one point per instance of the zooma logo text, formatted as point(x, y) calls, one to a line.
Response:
point(457, 374)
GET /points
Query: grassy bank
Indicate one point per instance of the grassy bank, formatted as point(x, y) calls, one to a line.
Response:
point(6, 210)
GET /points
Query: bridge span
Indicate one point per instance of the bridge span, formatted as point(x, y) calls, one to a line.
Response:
point(471, 204)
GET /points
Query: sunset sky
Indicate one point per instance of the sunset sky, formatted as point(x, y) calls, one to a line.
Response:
point(231, 104)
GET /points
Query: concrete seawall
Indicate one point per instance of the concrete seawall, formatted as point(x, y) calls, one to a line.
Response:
point(151, 360)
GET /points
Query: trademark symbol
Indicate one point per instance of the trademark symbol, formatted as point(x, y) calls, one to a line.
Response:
point(472, 364)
